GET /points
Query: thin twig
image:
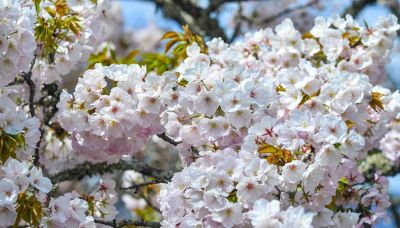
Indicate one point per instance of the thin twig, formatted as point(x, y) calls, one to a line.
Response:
point(17, 81)
point(290, 10)
point(280, 14)
point(135, 187)
point(149, 202)
point(167, 139)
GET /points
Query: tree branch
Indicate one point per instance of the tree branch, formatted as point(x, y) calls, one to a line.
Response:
point(149, 203)
point(27, 76)
point(396, 216)
point(17, 81)
point(258, 22)
point(394, 7)
point(167, 139)
point(288, 11)
point(198, 19)
point(239, 20)
point(124, 223)
point(357, 6)
point(135, 187)
point(49, 102)
point(89, 169)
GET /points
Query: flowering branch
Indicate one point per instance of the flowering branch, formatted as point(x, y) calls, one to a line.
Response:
point(124, 223)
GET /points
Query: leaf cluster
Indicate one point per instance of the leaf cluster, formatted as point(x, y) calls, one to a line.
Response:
point(28, 209)
point(275, 155)
point(174, 53)
point(61, 24)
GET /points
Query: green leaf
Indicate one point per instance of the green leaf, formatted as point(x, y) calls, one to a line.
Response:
point(183, 82)
point(337, 145)
point(169, 35)
point(304, 99)
point(52, 12)
point(9, 144)
point(75, 27)
point(169, 45)
point(232, 197)
point(376, 101)
point(37, 6)
point(28, 209)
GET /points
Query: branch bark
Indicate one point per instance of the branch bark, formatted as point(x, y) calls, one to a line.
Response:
point(27, 76)
point(357, 6)
point(396, 215)
point(167, 139)
point(135, 187)
point(290, 10)
point(394, 7)
point(89, 169)
point(198, 19)
point(124, 223)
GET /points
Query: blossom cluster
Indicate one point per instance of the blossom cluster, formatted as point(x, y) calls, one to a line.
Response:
point(304, 108)
point(113, 111)
point(226, 188)
point(17, 40)
point(279, 72)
